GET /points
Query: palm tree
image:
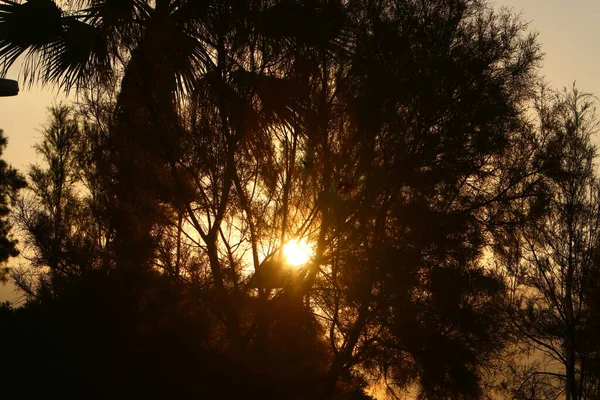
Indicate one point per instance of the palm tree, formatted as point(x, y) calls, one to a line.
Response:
point(91, 39)
point(236, 57)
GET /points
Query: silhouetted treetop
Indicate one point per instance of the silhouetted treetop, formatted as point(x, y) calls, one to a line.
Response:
point(392, 139)
point(10, 182)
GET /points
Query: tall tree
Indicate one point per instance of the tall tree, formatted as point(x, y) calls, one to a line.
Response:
point(385, 139)
point(553, 258)
point(56, 214)
point(223, 50)
point(10, 182)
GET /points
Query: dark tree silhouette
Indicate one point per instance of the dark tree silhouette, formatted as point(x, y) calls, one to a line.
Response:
point(10, 182)
point(552, 261)
point(390, 136)
point(435, 171)
point(59, 223)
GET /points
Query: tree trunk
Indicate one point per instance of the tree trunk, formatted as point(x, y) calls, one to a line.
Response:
point(571, 383)
point(344, 357)
point(332, 378)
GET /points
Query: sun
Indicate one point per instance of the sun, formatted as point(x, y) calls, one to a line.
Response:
point(297, 253)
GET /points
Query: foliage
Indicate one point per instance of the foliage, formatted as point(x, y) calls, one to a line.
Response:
point(552, 259)
point(392, 136)
point(10, 182)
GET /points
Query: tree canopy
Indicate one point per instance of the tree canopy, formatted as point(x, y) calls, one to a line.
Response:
point(10, 182)
point(390, 140)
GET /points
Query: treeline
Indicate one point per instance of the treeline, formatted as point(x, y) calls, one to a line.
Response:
point(449, 197)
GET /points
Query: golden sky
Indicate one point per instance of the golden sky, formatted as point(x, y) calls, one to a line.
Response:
point(568, 32)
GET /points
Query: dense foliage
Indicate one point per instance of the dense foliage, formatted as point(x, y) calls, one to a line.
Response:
point(394, 137)
point(10, 183)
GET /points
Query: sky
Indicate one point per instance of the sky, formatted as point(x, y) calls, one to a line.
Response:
point(568, 33)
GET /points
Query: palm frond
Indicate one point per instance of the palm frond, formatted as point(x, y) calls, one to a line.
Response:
point(81, 55)
point(121, 21)
point(323, 26)
point(279, 98)
point(190, 10)
point(59, 49)
point(26, 26)
point(116, 13)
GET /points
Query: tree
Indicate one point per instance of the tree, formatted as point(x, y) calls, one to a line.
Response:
point(434, 180)
point(10, 182)
point(224, 50)
point(385, 139)
point(59, 214)
point(553, 257)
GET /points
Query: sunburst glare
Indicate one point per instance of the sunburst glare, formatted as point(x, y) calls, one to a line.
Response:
point(297, 253)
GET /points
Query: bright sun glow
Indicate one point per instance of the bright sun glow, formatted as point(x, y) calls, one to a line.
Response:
point(296, 252)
